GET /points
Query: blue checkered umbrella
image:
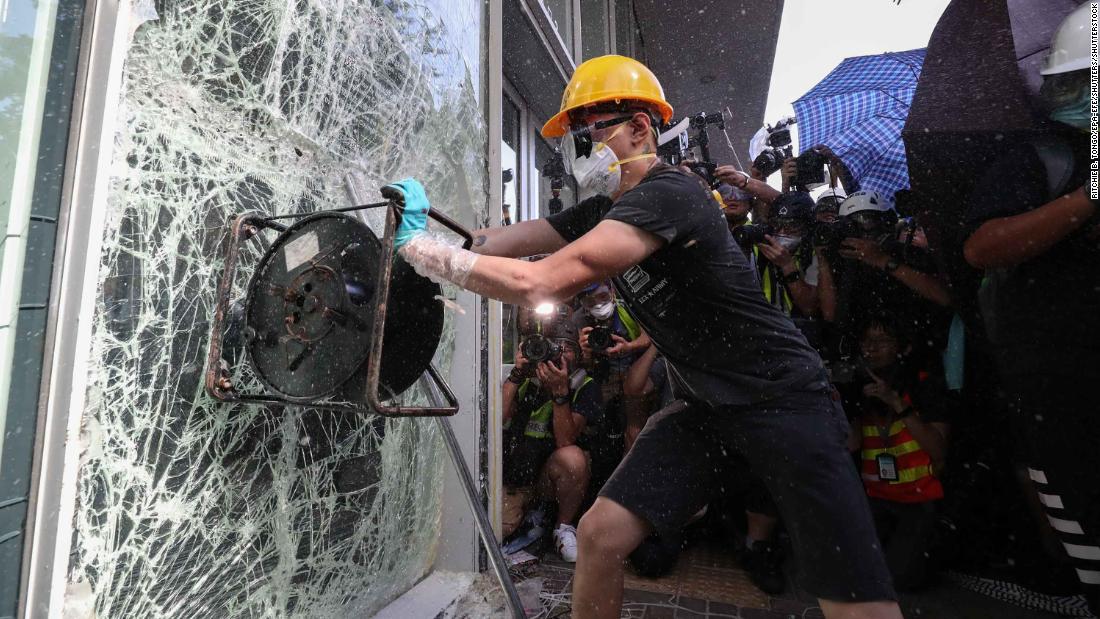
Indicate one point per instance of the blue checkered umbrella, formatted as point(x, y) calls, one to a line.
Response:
point(858, 111)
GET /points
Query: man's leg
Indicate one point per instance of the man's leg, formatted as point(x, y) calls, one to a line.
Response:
point(797, 447)
point(1058, 414)
point(565, 479)
point(665, 479)
point(608, 533)
point(763, 558)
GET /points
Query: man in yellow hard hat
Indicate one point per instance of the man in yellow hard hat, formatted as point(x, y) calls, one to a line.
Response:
point(747, 381)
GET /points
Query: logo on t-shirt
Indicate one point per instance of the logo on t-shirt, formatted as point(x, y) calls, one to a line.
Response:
point(636, 278)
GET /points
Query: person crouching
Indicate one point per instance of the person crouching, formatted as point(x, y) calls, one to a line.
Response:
point(547, 404)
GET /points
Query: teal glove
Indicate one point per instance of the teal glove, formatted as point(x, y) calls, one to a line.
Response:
point(414, 219)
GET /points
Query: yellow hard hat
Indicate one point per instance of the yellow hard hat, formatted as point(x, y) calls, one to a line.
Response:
point(607, 78)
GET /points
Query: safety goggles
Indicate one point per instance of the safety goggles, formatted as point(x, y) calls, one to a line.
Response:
point(579, 141)
point(789, 226)
point(1063, 88)
point(729, 192)
point(596, 297)
point(828, 204)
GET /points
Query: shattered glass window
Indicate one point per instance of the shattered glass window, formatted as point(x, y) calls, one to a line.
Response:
point(189, 507)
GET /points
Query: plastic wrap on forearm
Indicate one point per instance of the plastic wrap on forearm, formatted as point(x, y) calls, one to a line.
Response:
point(438, 259)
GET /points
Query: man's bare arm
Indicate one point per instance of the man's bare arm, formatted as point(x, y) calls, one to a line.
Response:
point(606, 251)
point(526, 238)
point(1009, 241)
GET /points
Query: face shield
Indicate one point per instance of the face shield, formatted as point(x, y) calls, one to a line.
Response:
point(873, 225)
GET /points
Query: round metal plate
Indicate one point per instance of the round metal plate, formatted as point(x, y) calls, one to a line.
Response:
point(311, 304)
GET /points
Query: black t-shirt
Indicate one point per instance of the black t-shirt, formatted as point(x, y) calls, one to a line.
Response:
point(697, 296)
point(1047, 314)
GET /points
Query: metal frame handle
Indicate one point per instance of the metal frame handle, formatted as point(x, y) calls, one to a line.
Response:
point(246, 226)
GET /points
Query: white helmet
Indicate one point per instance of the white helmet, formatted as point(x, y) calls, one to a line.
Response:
point(835, 193)
point(864, 201)
point(1069, 49)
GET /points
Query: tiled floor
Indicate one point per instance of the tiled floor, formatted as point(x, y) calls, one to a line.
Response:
point(708, 585)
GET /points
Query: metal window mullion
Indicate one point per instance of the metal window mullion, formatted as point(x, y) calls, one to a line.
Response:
point(76, 263)
point(612, 39)
point(578, 44)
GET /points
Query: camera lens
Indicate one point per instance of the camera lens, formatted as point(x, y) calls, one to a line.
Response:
point(751, 234)
point(599, 339)
point(535, 348)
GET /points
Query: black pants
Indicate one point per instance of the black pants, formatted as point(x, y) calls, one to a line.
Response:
point(1058, 415)
point(906, 530)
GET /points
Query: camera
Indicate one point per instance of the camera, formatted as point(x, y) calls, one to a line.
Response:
point(537, 349)
point(769, 161)
point(831, 234)
point(873, 226)
point(752, 234)
point(680, 151)
point(599, 339)
point(779, 148)
point(705, 169)
point(555, 171)
point(810, 169)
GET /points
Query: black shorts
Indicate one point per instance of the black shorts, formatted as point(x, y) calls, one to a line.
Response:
point(797, 447)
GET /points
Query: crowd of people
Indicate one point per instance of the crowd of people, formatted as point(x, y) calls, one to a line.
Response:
point(754, 363)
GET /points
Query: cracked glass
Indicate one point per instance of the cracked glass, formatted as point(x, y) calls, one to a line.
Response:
point(188, 507)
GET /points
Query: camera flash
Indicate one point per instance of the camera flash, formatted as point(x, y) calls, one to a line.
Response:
point(544, 309)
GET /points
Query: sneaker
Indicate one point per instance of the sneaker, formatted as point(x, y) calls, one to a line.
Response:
point(764, 563)
point(565, 538)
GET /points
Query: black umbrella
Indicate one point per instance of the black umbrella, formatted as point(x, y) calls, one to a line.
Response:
point(971, 100)
point(971, 96)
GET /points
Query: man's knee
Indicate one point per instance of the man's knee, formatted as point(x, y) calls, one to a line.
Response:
point(570, 461)
point(611, 530)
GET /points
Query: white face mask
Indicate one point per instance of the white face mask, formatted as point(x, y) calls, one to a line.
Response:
point(602, 311)
point(789, 243)
point(600, 173)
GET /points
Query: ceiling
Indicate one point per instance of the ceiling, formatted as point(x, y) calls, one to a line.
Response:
point(710, 54)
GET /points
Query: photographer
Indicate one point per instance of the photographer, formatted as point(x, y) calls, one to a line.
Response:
point(761, 195)
point(610, 341)
point(865, 270)
point(1033, 228)
point(610, 338)
point(785, 264)
point(736, 206)
point(546, 407)
point(827, 207)
point(900, 417)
